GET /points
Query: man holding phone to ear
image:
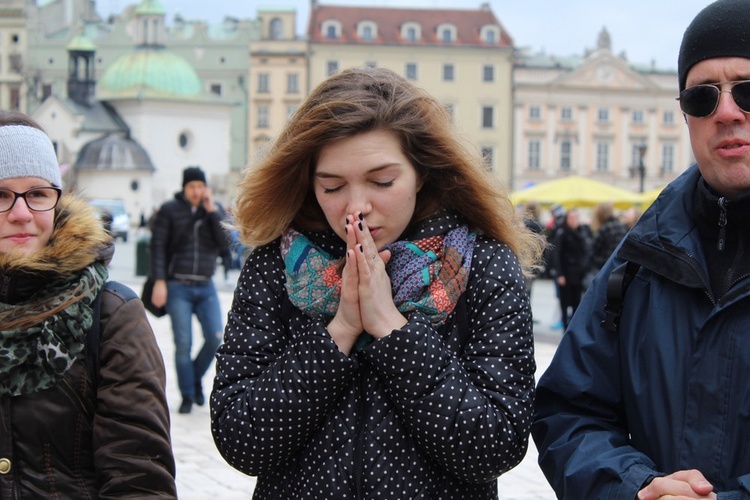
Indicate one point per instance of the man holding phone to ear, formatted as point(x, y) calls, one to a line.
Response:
point(652, 399)
point(187, 237)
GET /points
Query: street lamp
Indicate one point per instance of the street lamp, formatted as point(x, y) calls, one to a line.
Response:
point(641, 167)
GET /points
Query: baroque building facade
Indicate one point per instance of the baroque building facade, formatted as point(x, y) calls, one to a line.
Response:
point(597, 116)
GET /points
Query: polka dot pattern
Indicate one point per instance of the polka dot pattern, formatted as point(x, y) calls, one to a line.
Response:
point(413, 415)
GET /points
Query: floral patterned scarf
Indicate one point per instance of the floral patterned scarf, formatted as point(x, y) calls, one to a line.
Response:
point(428, 274)
point(35, 354)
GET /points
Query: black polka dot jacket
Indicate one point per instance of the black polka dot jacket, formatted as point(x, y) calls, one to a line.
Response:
point(422, 413)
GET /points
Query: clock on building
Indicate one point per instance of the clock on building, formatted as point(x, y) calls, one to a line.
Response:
point(605, 73)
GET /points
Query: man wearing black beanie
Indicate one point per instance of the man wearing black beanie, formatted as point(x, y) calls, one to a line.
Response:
point(648, 393)
point(187, 238)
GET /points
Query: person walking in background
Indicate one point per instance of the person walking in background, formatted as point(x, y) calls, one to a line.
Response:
point(380, 339)
point(647, 396)
point(531, 220)
point(571, 254)
point(609, 232)
point(82, 402)
point(187, 238)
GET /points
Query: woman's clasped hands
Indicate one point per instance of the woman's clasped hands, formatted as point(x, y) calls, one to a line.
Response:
point(366, 303)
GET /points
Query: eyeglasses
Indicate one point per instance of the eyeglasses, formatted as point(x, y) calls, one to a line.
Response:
point(702, 100)
point(41, 199)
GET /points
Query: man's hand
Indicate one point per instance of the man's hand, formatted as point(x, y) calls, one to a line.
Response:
point(159, 293)
point(680, 485)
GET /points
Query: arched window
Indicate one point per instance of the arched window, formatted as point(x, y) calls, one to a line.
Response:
point(446, 33)
point(331, 29)
point(276, 29)
point(411, 32)
point(490, 34)
point(367, 31)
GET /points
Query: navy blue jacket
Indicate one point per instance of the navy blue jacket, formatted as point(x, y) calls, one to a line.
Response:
point(670, 391)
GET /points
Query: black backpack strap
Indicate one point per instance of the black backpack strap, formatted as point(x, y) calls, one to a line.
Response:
point(94, 335)
point(617, 284)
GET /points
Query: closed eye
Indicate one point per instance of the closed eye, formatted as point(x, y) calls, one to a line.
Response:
point(331, 190)
point(384, 184)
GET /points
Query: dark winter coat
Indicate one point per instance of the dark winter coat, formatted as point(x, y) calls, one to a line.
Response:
point(74, 440)
point(669, 391)
point(571, 253)
point(609, 235)
point(186, 243)
point(422, 413)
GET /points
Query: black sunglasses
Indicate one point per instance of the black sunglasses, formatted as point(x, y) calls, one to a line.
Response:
point(702, 100)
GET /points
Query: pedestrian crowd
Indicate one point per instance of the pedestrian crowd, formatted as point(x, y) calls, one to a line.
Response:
point(380, 339)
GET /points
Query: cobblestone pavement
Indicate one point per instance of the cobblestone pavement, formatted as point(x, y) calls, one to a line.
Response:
point(203, 474)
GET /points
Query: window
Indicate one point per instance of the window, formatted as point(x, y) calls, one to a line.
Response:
point(15, 98)
point(488, 157)
point(448, 73)
point(535, 113)
point(264, 83)
point(488, 73)
point(451, 109)
point(367, 31)
point(603, 115)
point(446, 33)
point(292, 83)
point(276, 29)
point(46, 91)
point(215, 89)
point(411, 32)
point(263, 112)
point(668, 118)
point(332, 67)
point(602, 157)
point(488, 116)
point(490, 34)
point(667, 158)
point(638, 117)
point(566, 114)
point(331, 29)
point(411, 71)
point(565, 155)
point(535, 153)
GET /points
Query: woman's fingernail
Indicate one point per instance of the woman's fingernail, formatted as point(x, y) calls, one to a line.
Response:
point(347, 219)
point(346, 230)
point(361, 249)
point(361, 216)
point(360, 226)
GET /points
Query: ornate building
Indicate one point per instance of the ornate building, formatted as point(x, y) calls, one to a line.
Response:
point(597, 116)
point(462, 57)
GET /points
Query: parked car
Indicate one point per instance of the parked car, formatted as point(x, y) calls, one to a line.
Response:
point(114, 215)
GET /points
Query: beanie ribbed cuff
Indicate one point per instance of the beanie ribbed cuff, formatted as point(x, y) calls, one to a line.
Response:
point(28, 152)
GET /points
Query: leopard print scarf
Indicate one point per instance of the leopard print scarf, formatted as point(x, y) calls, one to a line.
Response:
point(35, 354)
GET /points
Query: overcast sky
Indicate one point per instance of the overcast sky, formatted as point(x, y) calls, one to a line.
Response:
point(646, 30)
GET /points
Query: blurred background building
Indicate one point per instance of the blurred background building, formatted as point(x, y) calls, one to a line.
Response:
point(133, 99)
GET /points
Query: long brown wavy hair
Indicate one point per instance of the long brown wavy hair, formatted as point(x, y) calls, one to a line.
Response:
point(278, 192)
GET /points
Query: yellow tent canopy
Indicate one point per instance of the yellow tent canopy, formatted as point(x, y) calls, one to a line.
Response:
point(575, 191)
point(649, 197)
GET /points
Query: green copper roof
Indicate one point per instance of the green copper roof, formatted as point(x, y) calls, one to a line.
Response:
point(151, 71)
point(151, 7)
point(81, 43)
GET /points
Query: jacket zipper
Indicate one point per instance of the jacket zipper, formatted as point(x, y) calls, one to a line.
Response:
point(721, 244)
point(196, 251)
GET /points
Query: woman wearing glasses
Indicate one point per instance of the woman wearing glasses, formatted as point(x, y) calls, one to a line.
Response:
point(70, 428)
point(655, 402)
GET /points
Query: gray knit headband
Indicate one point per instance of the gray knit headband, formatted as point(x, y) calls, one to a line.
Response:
point(27, 152)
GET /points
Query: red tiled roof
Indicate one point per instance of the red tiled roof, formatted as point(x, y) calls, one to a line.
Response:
point(389, 21)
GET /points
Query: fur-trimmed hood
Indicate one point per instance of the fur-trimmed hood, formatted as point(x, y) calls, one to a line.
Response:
point(78, 239)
